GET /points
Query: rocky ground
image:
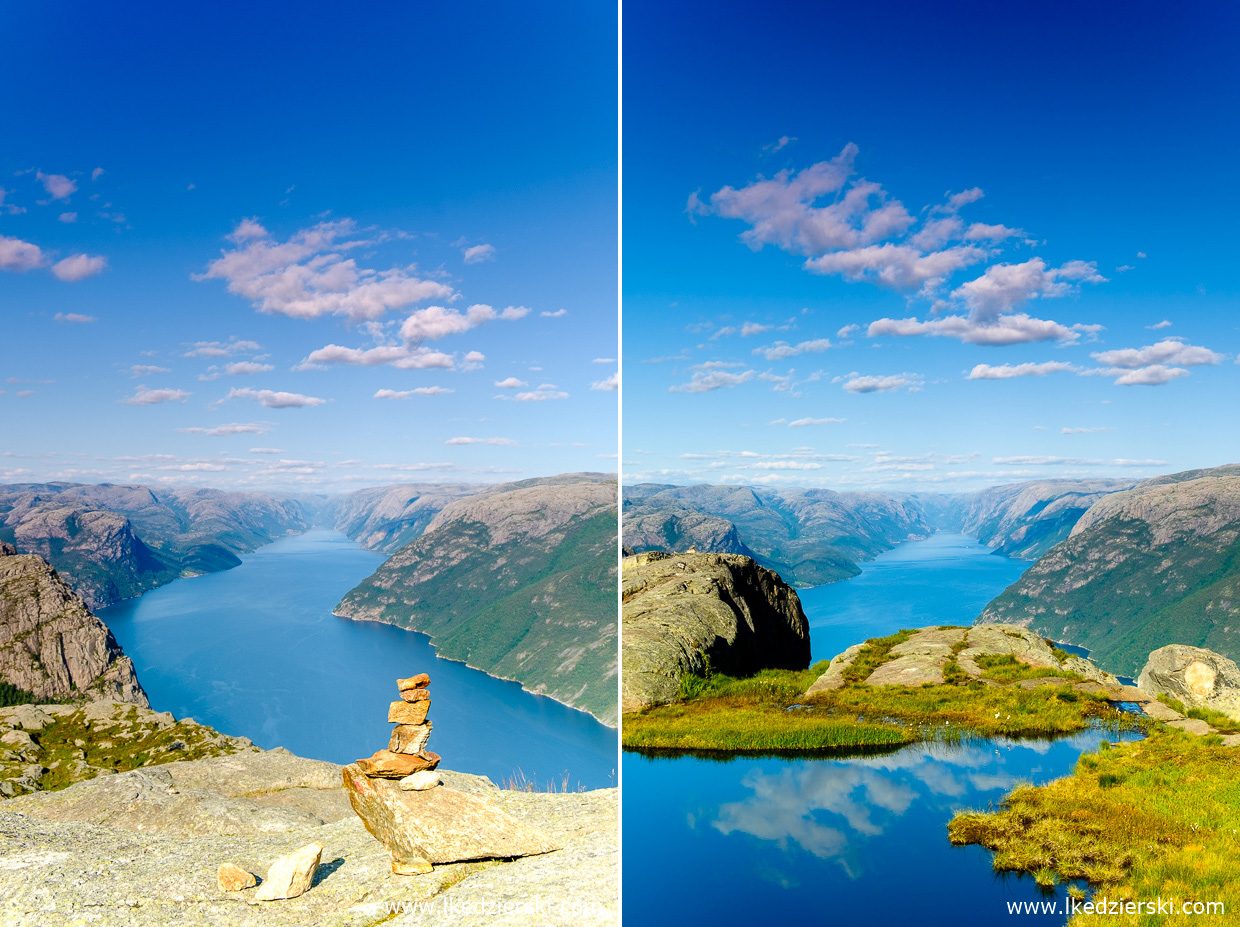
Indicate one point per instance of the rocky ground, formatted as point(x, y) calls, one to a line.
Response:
point(143, 847)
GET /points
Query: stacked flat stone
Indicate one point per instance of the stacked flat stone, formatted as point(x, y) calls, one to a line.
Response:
point(406, 757)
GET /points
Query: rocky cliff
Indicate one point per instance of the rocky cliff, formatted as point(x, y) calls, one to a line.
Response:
point(1153, 565)
point(808, 536)
point(683, 613)
point(518, 581)
point(386, 518)
point(51, 646)
point(112, 542)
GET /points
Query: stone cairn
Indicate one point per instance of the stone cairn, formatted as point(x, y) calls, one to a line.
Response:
point(406, 757)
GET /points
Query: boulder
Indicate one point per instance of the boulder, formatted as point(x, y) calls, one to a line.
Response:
point(420, 681)
point(1197, 677)
point(408, 712)
point(420, 781)
point(232, 878)
point(440, 825)
point(833, 678)
point(415, 695)
point(291, 875)
point(410, 738)
point(388, 765)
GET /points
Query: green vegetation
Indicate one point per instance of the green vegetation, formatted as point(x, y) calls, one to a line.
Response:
point(768, 712)
point(1144, 820)
point(1224, 724)
point(541, 611)
point(11, 695)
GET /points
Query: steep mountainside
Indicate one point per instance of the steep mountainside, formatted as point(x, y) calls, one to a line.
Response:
point(518, 581)
point(808, 536)
point(1153, 565)
point(1025, 520)
point(111, 542)
point(386, 518)
point(51, 646)
point(684, 613)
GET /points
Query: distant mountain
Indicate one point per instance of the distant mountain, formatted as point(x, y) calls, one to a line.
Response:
point(808, 536)
point(1153, 565)
point(1025, 520)
point(51, 646)
point(111, 542)
point(386, 518)
point(517, 580)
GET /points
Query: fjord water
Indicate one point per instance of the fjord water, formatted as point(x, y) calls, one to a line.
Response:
point(943, 579)
point(847, 840)
point(256, 652)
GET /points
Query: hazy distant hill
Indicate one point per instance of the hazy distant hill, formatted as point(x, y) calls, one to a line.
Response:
point(808, 536)
point(388, 517)
point(1152, 565)
point(519, 581)
point(111, 541)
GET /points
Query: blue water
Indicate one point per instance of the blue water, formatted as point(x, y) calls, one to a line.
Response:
point(850, 840)
point(945, 579)
point(819, 841)
point(256, 652)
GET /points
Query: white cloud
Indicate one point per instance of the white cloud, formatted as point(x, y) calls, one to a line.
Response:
point(784, 142)
point(1004, 287)
point(1167, 351)
point(603, 360)
point(1153, 375)
point(477, 253)
point(68, 217)
point(406, 393)
point(10, 208)
point(75, 317)
point(1004, 330)
point(510, 383)
point(399, 356)
point(754, 328)
point(1028, 461)
point(267, 450)
point(1007, 371)
point(804, 422)
point(19, 256)
point(896, 265)
point(781, 349)
point(1165, 323)
point(247, 367)
point(220, 348)
point(856, 383)
point(558, 314)
point(307, 276)
point(705, 380)
point(274, 400)
point(503, 442)
point(232, 428)
point(848, 331)
point(79, 267)
point(143, 370)
point(96, 173)
point(58, 186)
point(611, 383)
point(544, 393)
point(1084, 431)
point(149, 397)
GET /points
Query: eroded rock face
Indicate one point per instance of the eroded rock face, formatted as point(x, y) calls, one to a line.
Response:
point(682, 612)
point(1197, 677)
point(439, 825)
point(50, 644)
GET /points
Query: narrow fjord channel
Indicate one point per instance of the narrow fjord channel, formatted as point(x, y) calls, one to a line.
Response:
point(256, 651)
point(858, 839)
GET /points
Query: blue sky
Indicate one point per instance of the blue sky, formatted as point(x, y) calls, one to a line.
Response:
point(929, 246)
point(305, 247)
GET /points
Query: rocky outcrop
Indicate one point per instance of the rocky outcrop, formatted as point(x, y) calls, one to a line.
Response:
point(386, 518)
point(1196, 677)
point(50, 644)
point(685, 613)
point(808, 536)
point(1153, 565)
point(519, 582)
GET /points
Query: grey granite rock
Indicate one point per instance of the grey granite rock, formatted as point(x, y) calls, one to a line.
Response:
point(1197, 677)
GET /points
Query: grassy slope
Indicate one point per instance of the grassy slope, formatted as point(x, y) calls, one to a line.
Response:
point(536, 612)
point(768, 712)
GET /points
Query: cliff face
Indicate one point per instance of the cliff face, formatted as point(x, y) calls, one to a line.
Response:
point(518, 581)
point(682, 612)
point(809, 536)
point(386, 518)
point(50, 644)
point(112, 542)
point(1153, 565)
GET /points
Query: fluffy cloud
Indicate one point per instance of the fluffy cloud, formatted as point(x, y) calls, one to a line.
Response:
point(247, 367)
point(510, 383)
point(149, 397)
point(1009, 329)
point(545, 392)
point(221, 348)
point(68, 217)
point(400, 356)
point(232, 428)
point(502, 442)
point(1007, 371)
point(19, 256)
point(79, 267)
point(58, 186)
point(855, 383)
point(1153, 375)
point(781, 349)
point(74, 317)
point(805, 422)
point(1004, 287)
point(275, 400)
point(477, 253)
point(896, 265)
point(308, 276)
point(611, 383)
point(710, 378)
point(406, 393)
point(144, 370)
point(558, 314)
point(1167, 351)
